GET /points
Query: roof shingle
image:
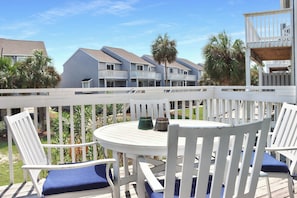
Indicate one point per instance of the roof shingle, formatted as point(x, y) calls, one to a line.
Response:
point(127, 55)
point(101, 56)
point(174, 64)
point(197, 66)
point(9, 47)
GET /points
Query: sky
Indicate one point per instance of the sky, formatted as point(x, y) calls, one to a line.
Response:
point(67, 25)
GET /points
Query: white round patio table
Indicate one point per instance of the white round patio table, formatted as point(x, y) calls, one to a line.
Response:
point(125, 137)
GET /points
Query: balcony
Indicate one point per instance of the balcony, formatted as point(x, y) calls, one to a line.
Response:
point(113, 74)
point(269, 34)
point(102, 106)
point(145, 75)
point(176, 77)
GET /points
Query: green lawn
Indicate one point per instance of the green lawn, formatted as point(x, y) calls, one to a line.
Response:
point(194, 113)
point(4, 166)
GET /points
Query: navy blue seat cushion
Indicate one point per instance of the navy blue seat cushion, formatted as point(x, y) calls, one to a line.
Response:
point(70, 180)
point(270, 164)
point(152, 194)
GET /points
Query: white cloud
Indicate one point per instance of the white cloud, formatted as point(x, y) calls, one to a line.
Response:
point(23, 28)
point(136, 23)
point(193, 39)
point(92, 7)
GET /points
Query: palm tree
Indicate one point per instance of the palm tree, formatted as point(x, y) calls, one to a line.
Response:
point(35, 72)
point(7, 73)
point(224, 60)
point(164, 51)
point(255, 75)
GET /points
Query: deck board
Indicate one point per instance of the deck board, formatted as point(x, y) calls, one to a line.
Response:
point(25, 190)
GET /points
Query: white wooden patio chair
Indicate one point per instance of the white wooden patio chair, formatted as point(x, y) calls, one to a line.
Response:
point(280, 160)
point(229, 175)
point(66, 180)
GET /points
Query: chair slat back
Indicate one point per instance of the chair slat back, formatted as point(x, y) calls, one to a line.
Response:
point(154, 108)
point(27, 140)
point(223, 148)
point(285, 133)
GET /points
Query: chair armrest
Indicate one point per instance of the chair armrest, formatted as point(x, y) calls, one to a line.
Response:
point(149, 175)
point(68, 145)
point(70, 166)
point(281, 148)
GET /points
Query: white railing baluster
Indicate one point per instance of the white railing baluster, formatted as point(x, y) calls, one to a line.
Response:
point(61, 133)
point(10, 153)
point(104, 114)
point(190, 109)
point(83, 132)
point(114, 113)
point(183, 109)
point(48, 132)
point(94, 126)
point(72, 141)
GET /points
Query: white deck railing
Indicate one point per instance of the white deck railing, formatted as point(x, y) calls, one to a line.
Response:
point(276, 79)
point(106, 74)
point(271, 26)
point(91, 108)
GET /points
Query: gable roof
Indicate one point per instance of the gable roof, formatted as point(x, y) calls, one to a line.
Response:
point(100, 56)
point(190, 63)
point(178, 65)
point(132, 58)
point(174, 64)
point(9, 47)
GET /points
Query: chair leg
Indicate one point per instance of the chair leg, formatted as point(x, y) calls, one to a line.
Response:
point(290, 186)
point(268, 186)
point(126, 169)
point(263, 174)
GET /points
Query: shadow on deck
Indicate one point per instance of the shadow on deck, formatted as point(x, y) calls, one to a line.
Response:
point(278, 187)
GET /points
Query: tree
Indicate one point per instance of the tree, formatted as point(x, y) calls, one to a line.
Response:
point(224, 60)
point(255, 75)
point(164, 51)
point(35, 72)
point(205, 80)
point(7, 73)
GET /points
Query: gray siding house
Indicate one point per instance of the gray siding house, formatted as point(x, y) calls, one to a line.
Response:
point(116, 67)
point(196, 69)
point(92, 68)
point(178, 74)
point(140, 72)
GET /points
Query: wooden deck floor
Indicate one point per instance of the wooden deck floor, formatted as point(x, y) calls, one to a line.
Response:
point(278, 187)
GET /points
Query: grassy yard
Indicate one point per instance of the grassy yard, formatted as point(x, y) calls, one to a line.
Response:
point(4, 166)
point(194, 114)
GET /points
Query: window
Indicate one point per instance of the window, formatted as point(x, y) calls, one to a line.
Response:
point(21, 58)
point(86, 83)
point(140, 67)
point(110, 66)
point(110, 84)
